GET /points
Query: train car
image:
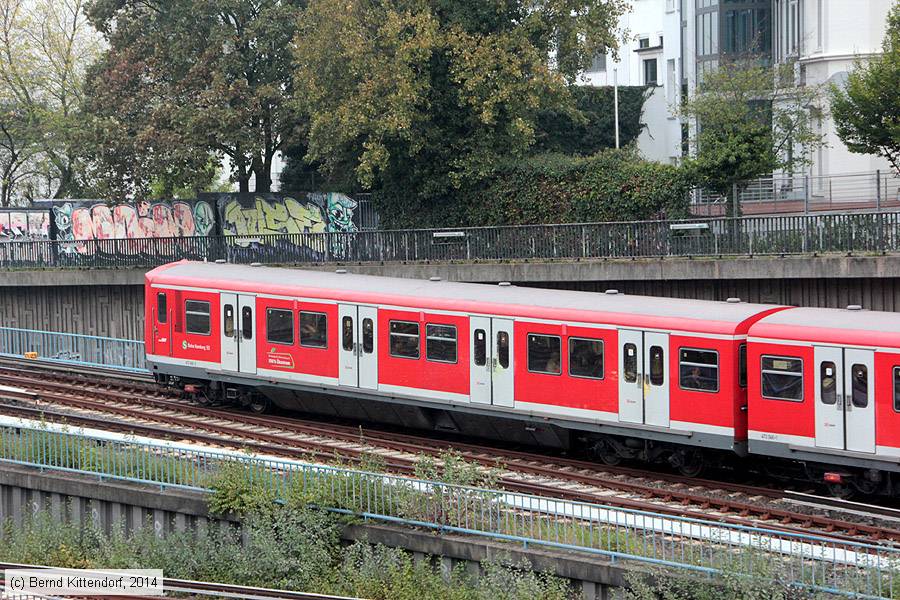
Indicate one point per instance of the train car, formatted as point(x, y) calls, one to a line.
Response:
point(635, 377)
point(825, 392)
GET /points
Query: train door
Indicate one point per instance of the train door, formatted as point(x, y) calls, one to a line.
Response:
point(246, 306)
point(631, 376)
point(480, 360)
point(656, 379)
point(349, 358)
point(161, 341)
point(845, 400)
point(502, 388)
point(230, 338)
point(859, 391)
point(367, 344)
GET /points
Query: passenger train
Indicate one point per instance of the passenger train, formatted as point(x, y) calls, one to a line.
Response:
point(688, 382)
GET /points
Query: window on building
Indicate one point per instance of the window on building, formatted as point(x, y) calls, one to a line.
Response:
point(644, 42)
point(440, 343)
point(347, 334)
point(228, 320)
point(657, 365)
point(698, 370)
point(598, 64)
point(544, 354)
point(650, 72)
point(479, 347)
point(368, 335)
point(279, 326)
point(586, 358)
point(196, 317)
point(247, 323)
point(671, 5)
point(820, 24)
point(859, 386)
point(828, 382)
point(162, 310)
point(313, 329)
point(404, 339)
point(782, 378)
point(503, 349)
point(742, 365)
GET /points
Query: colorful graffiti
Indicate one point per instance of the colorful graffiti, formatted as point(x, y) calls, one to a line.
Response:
point(272, 214)
point(24, 226)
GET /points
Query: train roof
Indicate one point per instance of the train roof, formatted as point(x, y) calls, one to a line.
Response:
point(648, 311)
point(832, 325)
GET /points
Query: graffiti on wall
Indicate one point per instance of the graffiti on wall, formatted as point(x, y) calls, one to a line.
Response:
point(24, 226)
point(83, 221)
point(253, 217)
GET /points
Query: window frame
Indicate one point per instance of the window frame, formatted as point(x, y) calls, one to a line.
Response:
point(225, 318)
point(370, 336)
point(743, 367)
point(717, 366)
point(485, 340)
point(802, 375)
point(869, 389)
point(455, 343)
point(246, 320)
point(894, 372)
point(269, 311)
point(662, 381)
point(528, 353)
point(300, 314)
point(418, 337)
point(602, 357)
point(504, 352)
point(162, 316)
point(208, 315)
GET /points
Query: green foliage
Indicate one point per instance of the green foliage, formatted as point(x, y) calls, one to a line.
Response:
point(183, 79)
point(866, 110)
point(591, 127)
point(424, 96)
point(753, 120)
point(613, 185)
point(450, 467)
point(235, 491)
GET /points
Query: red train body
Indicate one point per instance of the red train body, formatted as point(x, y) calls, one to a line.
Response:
point(635, 377)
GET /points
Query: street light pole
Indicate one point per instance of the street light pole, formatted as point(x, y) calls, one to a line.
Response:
point(616, 102)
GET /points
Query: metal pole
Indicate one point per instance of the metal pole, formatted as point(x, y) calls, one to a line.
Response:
point(616, 102)
point(878, 190)
point(806, 195)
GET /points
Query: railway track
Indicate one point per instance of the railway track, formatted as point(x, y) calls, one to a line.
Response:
point(142, 408)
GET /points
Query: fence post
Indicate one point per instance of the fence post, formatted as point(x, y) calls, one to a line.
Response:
point(878, 190)
point(806, 193)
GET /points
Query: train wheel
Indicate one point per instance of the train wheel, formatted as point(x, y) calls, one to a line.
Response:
point(258, 404)
point(840, 490)
point(690, 463)
point(607, 454)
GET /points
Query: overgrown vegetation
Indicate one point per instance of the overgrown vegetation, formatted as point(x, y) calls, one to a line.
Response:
point(729, 585)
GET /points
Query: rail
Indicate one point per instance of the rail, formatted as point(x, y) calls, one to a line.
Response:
point(746, 236)
point(74, 349)
point(699, 546)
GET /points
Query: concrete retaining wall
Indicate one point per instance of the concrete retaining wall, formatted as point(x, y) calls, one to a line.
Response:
point(79, 499)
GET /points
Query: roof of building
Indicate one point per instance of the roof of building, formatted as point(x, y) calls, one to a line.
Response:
point(445, 295)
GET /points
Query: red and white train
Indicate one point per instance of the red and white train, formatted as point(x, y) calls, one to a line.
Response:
point(633, 377)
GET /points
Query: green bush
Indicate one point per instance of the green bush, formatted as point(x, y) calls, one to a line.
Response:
point(612, 185)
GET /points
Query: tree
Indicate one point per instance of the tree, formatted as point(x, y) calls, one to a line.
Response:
point(45, 49)
point(866, 109)
point(209, 78)
point(18, 150)
point(750, 120)
point(422, 96)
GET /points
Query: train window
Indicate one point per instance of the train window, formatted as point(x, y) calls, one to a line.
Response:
point(629, 362)
point(228, 320)
point(162, 311)
point(479, 347)
point(698, 370)
point(657, 365)
point(586, 358)
point(782, 378)
point(247, 323)
point(440, 343)
point(404, 339)
point(860, 386)
point(742, 365)
point(503, 349)
point(544, 354)
point(280, 326)
point(347, 333)
point(828, 382)
point(897, 389)
point(313, 330)
point(368, 335)
point(196, 317)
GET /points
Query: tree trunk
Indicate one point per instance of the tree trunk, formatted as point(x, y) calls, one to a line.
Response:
point(244, 184)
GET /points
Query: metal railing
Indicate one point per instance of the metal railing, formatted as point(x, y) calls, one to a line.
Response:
point(879, 190)
point(795, 234)
point(74, 349)
point(704, 547)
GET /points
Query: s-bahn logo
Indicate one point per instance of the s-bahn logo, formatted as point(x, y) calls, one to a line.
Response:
point(280, 359)
point(186, 345)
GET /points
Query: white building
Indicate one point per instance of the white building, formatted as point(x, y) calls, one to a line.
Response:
point(825, 38)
